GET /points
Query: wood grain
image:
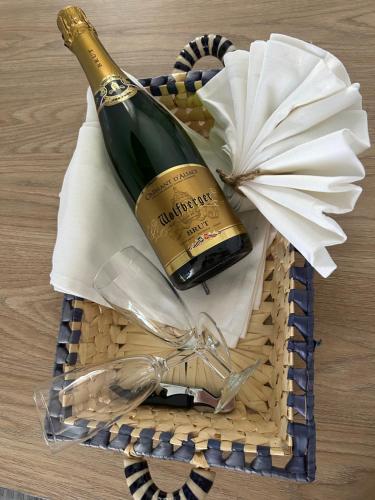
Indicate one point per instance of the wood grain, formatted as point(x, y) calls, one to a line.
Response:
point(42, 105)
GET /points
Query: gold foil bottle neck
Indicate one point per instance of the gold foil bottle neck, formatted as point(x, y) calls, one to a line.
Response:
point(72, 21)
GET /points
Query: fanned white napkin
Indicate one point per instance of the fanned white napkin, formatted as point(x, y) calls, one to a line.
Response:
point(94, 222)
point(288, 110)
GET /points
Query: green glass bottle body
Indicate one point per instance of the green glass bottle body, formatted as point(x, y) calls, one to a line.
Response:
point(154, 143)
point(177, 201)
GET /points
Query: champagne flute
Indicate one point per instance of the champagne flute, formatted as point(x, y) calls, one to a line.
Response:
point(131, 284)
point(102, 393)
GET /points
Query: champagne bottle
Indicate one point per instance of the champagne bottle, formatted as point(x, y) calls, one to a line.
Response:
point(176, 199)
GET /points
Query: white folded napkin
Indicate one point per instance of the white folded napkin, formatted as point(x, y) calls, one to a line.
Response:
point(95, 221)
point(287, 111)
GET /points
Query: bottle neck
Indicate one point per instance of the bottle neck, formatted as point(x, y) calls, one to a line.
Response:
point(94, 59)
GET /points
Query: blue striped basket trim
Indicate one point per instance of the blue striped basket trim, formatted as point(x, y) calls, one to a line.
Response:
point(206, 45)
point(137, 475)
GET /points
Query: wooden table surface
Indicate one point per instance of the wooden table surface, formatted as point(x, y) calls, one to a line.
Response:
point(42, 106)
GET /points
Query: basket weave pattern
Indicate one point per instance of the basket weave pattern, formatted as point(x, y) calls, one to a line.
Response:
point(274, 410)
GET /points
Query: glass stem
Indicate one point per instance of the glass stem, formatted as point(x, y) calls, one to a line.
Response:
point(214, 362)
point(177, 357)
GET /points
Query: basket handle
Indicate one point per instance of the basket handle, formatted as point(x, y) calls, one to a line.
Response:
point(205, 45)
point(139, 481)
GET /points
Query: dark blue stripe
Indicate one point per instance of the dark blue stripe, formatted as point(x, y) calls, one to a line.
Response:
point(145, 81)
point(136, 467)
point(67, 411)
point(76, 335)
point(201, 481)
point(159, 80)
point(67, 312)
point(302, 274)
point(61, 354)
point(303, 298)
point(138, 483)
point(299, 402)
point(119, 442)
point(171, 85)
point(191, 78)
point(186, 55)
point(150, 492)
point(182, 66)
point(299, 375)
point(215, 44)
point(300, 347)
point(156, 83)
point(225, 46)
point(195, 49)
point(101, 439)
point(77, 314)
point(204, 41)
point(208, 74)
point(54, 406)
point(64, 333)
point(262, 463)
point(58, 370)
point(304, 324)
point(188, 493)
point(71, 358)
point(81, 422)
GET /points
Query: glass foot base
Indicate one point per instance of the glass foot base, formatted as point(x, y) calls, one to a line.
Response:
point(232, 385)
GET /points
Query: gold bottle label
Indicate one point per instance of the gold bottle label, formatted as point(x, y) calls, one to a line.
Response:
point(114, 89)
point(183, 212)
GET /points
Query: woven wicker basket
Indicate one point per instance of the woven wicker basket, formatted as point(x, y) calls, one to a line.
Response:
point(271, 431)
